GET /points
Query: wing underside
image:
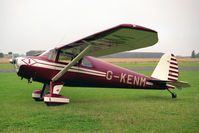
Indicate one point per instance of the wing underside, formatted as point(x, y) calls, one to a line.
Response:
point(121, 38)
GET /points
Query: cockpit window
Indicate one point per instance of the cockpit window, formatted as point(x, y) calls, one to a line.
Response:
point(85, 62)
point(65, 57)
point(50, 54)
point(68, 54)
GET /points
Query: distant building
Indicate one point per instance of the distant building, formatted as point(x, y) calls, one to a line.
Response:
point(34, 52)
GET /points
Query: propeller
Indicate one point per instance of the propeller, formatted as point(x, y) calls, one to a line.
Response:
point(12, 60)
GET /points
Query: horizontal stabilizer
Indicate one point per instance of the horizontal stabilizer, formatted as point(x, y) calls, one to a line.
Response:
point(177, 84)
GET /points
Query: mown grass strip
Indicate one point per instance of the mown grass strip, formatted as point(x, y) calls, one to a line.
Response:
point(99, 109)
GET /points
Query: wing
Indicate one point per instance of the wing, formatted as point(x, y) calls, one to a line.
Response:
point(117, 39)
point(121, 38)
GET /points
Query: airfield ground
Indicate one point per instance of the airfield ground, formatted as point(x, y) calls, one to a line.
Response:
point(101, 109)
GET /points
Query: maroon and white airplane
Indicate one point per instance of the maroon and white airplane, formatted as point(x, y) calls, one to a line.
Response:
point(72, 65)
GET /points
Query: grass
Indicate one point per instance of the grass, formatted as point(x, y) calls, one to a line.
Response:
point(99, 109)
point(6, 66)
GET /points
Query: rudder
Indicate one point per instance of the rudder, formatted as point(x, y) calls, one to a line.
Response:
point(167, 68)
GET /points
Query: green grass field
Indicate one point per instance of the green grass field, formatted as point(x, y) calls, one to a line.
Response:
point(100, 109)
point(6, 66)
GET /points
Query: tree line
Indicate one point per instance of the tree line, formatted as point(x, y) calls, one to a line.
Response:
point(2, 55)
point(194, 55)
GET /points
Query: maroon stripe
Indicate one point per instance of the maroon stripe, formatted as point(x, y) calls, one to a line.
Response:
point(173, 71)
point(173, 55)
point(173, 75)
point(172, 79)
point(174, 63)
point(173, 67)
point(173, 59)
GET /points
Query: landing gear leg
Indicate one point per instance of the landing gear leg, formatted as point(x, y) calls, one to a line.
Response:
point(53, 98)
point(174, 95)
point(38, 95)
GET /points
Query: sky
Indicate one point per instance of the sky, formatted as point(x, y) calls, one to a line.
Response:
point(44, 24)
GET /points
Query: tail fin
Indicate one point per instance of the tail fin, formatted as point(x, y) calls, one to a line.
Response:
point(167, 72)
point(167, 68)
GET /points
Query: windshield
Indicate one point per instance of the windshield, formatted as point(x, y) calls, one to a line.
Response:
point(50, 54)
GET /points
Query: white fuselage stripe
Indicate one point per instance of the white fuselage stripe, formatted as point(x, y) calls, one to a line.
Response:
point(89, 70)
point(84, 72)
point(57, 65)
point(72, 69)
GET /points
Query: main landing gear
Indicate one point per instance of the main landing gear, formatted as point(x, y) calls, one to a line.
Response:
point(38, 95)
point(50, 94)
point(174, 95)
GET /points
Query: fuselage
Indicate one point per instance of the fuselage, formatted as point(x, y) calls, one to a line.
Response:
point(87, 72)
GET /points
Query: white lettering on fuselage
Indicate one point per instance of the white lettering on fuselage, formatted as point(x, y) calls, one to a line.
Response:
point(109, 75)
point(127, 79)
point(122, 78)
point(136, 80)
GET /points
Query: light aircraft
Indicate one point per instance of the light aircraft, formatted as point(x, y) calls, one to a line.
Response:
point(73, 65)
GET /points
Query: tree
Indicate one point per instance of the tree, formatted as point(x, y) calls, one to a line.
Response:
point(193, 54)
point(1, 55)
point(197, 55)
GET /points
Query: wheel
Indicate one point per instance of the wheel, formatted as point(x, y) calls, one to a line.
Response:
point(38, 99)
point(53, 104)
point(174, 95)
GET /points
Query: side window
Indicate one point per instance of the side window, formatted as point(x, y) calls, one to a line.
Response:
point(65, 57)
point(85, 62)
point(69, 53)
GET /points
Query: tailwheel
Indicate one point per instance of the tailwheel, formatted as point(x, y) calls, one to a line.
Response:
point(173, 94)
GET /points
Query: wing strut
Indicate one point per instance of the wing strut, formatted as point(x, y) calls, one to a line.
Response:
point(75, 60)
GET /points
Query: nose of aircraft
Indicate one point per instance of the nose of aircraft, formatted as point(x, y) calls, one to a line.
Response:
point(17, 62)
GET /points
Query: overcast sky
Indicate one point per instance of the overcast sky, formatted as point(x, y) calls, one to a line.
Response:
point(43, 24)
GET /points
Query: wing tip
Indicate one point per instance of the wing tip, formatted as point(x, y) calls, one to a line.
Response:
point(136, 27)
